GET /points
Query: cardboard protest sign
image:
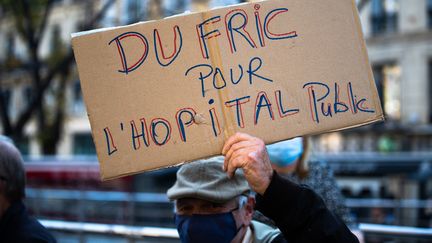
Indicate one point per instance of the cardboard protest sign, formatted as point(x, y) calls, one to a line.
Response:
point(163, 92)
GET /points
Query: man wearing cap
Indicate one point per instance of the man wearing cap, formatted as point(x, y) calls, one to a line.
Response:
point(16, 225)
point(214, 204)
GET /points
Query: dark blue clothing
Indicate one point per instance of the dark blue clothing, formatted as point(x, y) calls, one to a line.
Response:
point(301, 214)
point(17, 226)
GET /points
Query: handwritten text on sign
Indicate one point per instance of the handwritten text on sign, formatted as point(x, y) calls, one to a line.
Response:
point(324, 100)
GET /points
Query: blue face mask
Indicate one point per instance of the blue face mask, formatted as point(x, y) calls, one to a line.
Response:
point(285, 153)
point(208, 228)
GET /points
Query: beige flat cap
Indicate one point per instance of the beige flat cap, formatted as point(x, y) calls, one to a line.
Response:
point(205, 179)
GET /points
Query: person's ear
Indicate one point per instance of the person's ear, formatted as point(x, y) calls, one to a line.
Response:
point(247, 211)
point(250, 205)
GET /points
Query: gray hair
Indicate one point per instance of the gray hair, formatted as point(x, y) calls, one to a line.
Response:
point(12, 171)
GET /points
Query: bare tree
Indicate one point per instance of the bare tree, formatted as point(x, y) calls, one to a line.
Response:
point(30, 19)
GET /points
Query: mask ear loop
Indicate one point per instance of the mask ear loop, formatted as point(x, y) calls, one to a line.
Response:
point(242, 225)
point(239, 228)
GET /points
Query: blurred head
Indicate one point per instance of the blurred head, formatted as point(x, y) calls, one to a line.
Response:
point(12, 175)
point(290, 156)
point(209, 206)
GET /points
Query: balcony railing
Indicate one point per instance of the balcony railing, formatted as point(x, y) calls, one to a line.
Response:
point(135, 233)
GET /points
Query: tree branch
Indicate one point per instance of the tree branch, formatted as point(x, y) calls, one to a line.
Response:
point(27, 23)
point(17, 14)
point(60, 109)
point(7, 127)
point(40, 30)
point(45, 82)
point(37, 98)
point(98, 16)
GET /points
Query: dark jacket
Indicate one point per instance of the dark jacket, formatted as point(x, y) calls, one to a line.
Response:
point(301, 214)
point(321, 180)
point(18, 227)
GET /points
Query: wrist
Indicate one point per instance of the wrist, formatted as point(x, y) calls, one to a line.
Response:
point(265, 183)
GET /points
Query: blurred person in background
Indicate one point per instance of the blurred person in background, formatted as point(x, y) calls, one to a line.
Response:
point(15, 223)
point(290, 158)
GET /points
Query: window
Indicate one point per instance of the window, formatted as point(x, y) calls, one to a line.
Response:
point(7, 95)
point(55, 39)
point(387, 78)
point(221, 3)
point(135, 10)
point(28, 94)
point(77, 99)
point(10, 46)
point(83, 144)
point(175, 7)
point(384, 16)
point(430, 90)
point(429, 13)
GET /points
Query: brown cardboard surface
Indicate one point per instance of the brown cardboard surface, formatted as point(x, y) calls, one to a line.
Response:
point(160, 93)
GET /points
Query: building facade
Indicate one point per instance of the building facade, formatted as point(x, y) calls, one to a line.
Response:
point(395, 155)
point(393, 159)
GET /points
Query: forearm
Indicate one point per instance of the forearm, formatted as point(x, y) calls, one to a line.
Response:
point(300, 214)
